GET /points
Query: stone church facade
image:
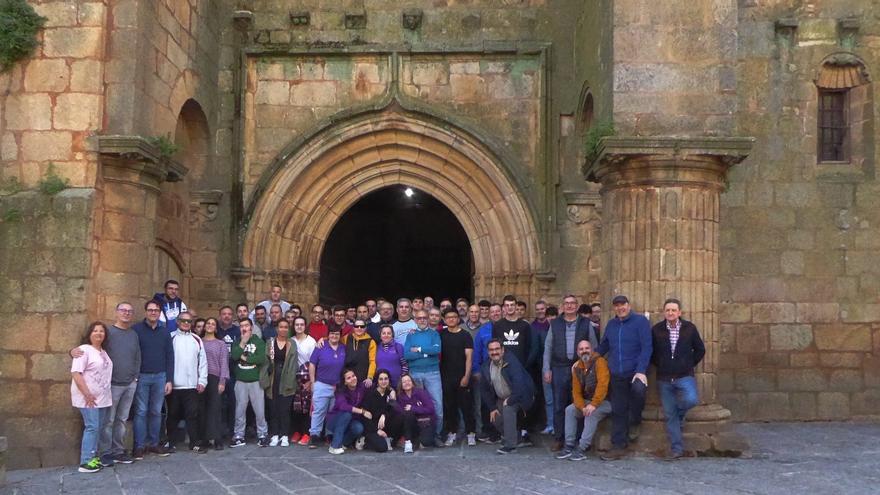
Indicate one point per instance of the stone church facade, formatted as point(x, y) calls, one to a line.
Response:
point(740, 176)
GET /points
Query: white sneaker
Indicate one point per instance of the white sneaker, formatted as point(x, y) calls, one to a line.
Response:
point(388, 441)
point(274, 441)
point(285, 442)
point(450, 440)
point(338, 451)
point(359, 444)
point(472, 439)
point(407, 447)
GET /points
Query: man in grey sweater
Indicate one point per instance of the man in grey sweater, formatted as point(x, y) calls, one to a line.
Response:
point(124, 349)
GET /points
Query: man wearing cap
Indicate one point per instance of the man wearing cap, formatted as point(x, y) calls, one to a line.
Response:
point(627, 345)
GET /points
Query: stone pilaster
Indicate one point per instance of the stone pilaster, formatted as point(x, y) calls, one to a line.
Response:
point(132, 172)
point(660, 224)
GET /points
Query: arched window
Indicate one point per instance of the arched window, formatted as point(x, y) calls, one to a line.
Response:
point(843, 109)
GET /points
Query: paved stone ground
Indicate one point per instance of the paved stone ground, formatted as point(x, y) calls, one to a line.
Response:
point(792, 458)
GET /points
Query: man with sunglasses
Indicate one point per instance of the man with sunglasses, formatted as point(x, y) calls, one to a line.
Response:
point(190, 380)
point(360, 353)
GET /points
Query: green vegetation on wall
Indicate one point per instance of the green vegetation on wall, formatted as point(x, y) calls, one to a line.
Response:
point(19, 24)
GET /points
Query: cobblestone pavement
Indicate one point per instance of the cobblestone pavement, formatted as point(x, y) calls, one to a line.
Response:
point(792, 458)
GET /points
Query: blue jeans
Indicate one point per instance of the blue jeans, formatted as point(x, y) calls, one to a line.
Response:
point(561, 384)
point(678, 397)
point(344, 429)
point(430, 381)
point(94, 420)
point(548, 402)
point(323, 396)
point(148, 400)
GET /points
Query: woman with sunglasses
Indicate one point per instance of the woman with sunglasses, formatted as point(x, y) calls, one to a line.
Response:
point(360, 353)
point(302, 399)
point(386, 423)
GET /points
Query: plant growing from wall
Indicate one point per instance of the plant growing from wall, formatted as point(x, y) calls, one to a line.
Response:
point(52, 184)
point(19, 24)
point(594, 136)
point(11, 215)
point(166, 147)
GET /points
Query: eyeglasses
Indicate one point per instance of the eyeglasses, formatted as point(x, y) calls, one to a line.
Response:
point(153, 310)
point(360, 326)
point(184, 320)
point(122, 310)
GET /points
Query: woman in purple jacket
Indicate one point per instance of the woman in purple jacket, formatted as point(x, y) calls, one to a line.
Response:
point(389, 355)
point(417, 409)
point(345, 419)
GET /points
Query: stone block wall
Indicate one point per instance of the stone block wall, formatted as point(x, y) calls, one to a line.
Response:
point(45, 258)
point(800, 299)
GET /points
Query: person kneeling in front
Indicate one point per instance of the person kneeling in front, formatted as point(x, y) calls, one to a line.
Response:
point(589, 388)
point(507, 390)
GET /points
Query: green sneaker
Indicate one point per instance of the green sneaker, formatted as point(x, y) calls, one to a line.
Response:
point(93, 466)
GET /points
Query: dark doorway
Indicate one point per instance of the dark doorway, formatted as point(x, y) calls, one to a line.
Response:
point(392, 244)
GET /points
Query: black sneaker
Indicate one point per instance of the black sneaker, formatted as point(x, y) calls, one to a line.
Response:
point(313, 442)
point(137, 454)
point(169, 447)
point(237, 442)
point(93, 466)
point(123, 458)
point(483, 437)
point(218, 445)
point(199, 449)
point(106, 461)
point(159, 450)
point(263, 442)
point(506, 450)
point(525, 441)
point(578, 455)
point(564, 453)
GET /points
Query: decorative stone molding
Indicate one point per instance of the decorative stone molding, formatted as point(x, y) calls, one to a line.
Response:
point(356, 21)
point(697, 161)
point(412, 19)
point(243, 19)
point(583, 207)
point(240, 276)
point(133, 160)
point(204, 206)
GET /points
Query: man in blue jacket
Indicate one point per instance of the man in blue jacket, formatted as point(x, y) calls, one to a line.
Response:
point(627, 345)
point(154, 381)
point(507, 390)
point(422, 352)
point(170, 304)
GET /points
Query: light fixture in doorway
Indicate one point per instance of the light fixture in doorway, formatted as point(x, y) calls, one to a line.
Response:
point(408, 192)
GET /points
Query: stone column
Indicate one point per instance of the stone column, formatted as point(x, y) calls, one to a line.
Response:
point(660, 224)
point(132, 172)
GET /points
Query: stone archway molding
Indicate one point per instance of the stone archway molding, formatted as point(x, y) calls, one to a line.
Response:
point(293, 211)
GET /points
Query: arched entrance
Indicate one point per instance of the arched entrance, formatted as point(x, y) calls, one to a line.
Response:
point(395, 242)
point(303, 195)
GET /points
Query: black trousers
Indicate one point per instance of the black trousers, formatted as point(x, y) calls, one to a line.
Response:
point(279, 419)
point(211, 417)
point(393, 429)
point(627, 403)
point(183, 404)
point(457, 398)
point(415, 429)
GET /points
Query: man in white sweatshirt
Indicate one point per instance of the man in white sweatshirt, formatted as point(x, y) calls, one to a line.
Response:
point(190, 379)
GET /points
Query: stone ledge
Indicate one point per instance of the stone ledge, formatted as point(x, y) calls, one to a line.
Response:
point(135, 152)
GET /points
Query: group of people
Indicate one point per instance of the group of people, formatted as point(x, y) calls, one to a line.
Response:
point(377, 376)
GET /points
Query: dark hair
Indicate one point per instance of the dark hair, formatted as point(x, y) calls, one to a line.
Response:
point(171, 281)
point(521, 304)
point(540, 301)
point(450, 310)
point(484, 303)
point(259, 307)
point(345, 371)
point(216, 324)
point(242, 320)
point(224, 307)
point(497, 341)
point(673, 301)
point(400, 382)
point(152, 301)
point(552, 311)
point(86, 339)
point(338, 307)
point(303, 318)
point(379, 372)
point(585, 308)
point(240, 305)
point(384, 326)
point(296, 307)
point(595, 304)
point(508, 297)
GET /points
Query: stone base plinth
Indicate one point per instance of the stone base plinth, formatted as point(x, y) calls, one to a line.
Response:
point(3, 445)
point(707, 432)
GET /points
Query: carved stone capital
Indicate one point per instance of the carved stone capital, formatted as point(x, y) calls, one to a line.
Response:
point(666, 161)
point(133, 160)
point(204, 206)
point(583, 207)
point(240, 276)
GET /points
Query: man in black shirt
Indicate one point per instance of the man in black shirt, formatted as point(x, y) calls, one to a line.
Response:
point(455, 373)
point(515, 335)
